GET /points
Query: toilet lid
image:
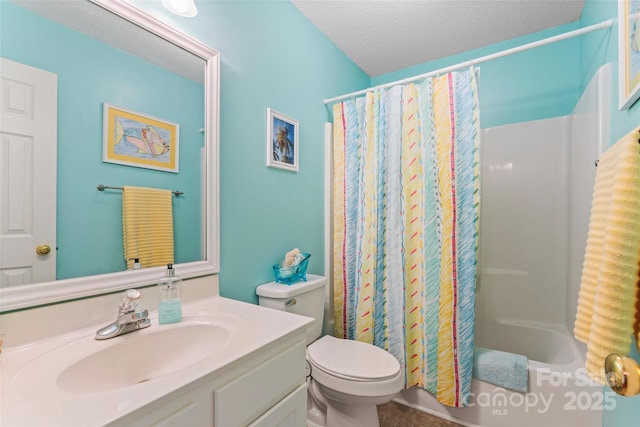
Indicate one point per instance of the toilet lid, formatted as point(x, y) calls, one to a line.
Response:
point(352, 359)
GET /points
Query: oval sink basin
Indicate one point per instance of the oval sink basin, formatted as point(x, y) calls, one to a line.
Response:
point(141, 357)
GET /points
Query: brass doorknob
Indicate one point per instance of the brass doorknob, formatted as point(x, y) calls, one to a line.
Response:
point(622, 374)
point(43, 249)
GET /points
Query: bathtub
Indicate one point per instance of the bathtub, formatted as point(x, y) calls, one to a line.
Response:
point(560, 391)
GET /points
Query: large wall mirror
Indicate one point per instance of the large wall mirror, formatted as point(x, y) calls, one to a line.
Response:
point(106, 53)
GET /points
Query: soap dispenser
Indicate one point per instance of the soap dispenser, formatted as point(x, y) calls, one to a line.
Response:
point(170, 306)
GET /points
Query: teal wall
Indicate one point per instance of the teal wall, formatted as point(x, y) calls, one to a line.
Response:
point(272, 57)
point(598, 49)
point(518, 87)
point(89, 222)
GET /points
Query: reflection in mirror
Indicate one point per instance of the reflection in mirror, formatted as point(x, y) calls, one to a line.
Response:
point(89, 48)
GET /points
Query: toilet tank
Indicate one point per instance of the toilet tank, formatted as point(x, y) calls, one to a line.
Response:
point(304, 298)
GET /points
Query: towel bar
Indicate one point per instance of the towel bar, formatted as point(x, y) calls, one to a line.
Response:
point(105, 187)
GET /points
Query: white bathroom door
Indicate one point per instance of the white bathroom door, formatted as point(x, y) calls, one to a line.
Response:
point(28, 139)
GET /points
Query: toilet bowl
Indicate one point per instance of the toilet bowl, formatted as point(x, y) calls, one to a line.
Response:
point(350, 378)
point(346, 379)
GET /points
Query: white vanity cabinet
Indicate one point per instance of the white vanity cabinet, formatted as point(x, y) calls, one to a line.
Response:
point(226, 364)
point(265, 388)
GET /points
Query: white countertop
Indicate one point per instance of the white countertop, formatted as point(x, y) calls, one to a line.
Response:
point(31, 396)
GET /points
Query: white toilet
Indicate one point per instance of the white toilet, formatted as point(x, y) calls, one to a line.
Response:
point(346, 379)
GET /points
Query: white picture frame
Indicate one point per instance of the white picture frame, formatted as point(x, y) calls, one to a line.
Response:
point(282, 141)
point(628, 53)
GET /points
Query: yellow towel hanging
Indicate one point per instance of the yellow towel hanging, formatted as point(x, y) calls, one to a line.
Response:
point(609, 286)
point(147, 226)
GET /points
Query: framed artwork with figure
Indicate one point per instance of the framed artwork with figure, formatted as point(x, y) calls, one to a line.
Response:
point(140, 140)
point(628, 52)
point(282, 141)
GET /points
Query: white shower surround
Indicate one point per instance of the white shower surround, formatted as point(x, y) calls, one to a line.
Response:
point(537, 185)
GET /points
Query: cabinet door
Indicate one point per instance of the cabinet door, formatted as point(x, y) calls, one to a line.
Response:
point(193, 409)
point(289, 412)
point(248, 397)
point(194, 413)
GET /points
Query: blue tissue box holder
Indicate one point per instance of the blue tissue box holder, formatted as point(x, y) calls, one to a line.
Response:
point(289, 275)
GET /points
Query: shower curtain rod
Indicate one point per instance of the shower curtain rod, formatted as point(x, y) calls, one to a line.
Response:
point(466, 64)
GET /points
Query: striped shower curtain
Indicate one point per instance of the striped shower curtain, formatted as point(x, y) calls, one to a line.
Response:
point(406, 207)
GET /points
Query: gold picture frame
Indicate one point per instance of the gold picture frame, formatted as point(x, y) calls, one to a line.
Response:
point(140, 140)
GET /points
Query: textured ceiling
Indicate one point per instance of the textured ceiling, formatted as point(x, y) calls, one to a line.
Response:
point(385, 36)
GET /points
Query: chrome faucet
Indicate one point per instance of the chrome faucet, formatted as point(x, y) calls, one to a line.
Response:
point(129, 318)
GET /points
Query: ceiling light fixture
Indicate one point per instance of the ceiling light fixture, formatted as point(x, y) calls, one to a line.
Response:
point(186, 8)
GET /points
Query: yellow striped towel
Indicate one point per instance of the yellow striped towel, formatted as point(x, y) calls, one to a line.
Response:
point(609, 286)
point(595, 242)
point(147, 226)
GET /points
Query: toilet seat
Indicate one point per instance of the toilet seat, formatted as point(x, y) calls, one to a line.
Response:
point(352, 360)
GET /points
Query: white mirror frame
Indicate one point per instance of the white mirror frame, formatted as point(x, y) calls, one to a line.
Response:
point(21, 297)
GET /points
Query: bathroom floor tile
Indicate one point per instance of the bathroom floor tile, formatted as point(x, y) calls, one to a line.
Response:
point(394, 414)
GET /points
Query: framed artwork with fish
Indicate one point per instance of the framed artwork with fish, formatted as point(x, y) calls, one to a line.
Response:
point(139, 140)
point(628, 52)
point(282, 141)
